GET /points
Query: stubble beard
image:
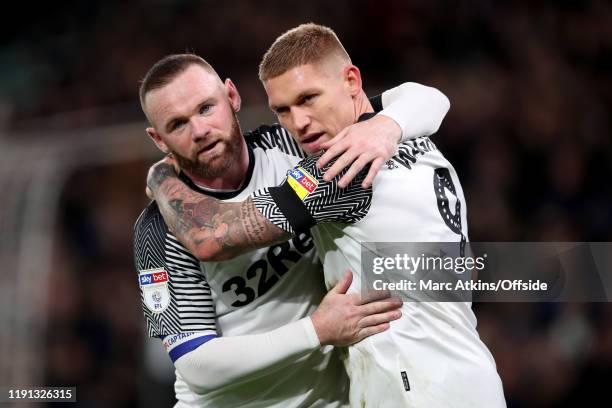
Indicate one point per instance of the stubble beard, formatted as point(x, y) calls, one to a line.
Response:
point(217, 165)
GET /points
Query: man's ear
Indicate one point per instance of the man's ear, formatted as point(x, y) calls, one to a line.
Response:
point(233, 95)
point(352, 78)
point(157, 140)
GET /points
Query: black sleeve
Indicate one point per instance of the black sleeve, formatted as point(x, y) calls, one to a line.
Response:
point(305, 199)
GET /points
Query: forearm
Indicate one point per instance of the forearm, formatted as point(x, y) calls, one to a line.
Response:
point(229, 360)
point(210, 229)
point(418, 109)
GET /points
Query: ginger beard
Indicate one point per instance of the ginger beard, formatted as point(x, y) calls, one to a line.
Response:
point(213, 166)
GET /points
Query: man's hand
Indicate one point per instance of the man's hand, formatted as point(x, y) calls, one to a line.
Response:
point(166, 167)
point(343, 319)
point(372, 141)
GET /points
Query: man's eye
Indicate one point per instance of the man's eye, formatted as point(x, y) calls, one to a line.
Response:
point(205, 108)
point(177, 125)
point(309, 98)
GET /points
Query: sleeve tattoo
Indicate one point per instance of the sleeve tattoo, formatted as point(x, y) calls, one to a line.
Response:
point(211, 229)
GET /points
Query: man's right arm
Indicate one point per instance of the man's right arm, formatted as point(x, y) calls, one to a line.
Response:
point(212, 230)
point(178, 308)
point(339, 320)
point(215, 230)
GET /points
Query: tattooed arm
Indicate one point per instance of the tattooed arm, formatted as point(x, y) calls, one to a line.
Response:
point(210, 229)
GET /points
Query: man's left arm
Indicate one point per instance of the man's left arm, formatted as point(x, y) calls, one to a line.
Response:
point(417, 109)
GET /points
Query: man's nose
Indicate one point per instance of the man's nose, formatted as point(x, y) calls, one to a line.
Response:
point(199, 128)
point(301, 119)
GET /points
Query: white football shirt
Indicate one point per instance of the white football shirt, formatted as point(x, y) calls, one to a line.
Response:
point(433, 355)
point(187, 303)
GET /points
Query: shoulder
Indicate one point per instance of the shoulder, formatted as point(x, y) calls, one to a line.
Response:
point(410, 151)
point(273, 136)
point(150, 221)
point(150, 232)
point(154, 244)
point(262, 134)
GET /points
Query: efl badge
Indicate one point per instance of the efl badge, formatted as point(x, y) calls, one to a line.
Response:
point(302, 182)
point(154, 286)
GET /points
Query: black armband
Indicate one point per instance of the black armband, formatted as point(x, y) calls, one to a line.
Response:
point(305, 199)
point(289, 203)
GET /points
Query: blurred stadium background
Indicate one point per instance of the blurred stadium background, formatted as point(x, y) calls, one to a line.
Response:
point(529, 132)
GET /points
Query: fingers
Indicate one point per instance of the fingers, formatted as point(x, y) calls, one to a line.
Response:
point(343, 285)
point(334, 147)
point(171, 160)
point(375, 320)
point(374, 295)
point(354, 146)
point(352, 172)
point(334, 140)
point(168, 160)
point(374, 168)
point(357, 160)
point(381, 306)
point(343, 162)
point(371, 330)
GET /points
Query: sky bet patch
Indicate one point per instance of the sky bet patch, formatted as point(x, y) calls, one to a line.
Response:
point(153, 276)
point(154, 287)
point(302, 182)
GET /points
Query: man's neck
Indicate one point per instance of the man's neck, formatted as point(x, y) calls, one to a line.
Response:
point(232, 179)
point(362, 105)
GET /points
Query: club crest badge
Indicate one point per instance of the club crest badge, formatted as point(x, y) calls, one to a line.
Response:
point(154, 286)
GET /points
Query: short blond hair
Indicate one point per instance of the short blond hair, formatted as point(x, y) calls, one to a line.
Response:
point(305, 44)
